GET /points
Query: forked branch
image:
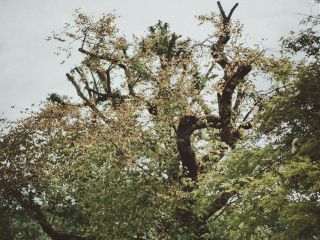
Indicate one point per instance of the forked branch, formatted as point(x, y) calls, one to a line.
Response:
point(223, 14)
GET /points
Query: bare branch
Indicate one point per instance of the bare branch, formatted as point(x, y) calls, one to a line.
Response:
point(85, 99)
point(226, 18)
point(223, 14)
point(232, 10)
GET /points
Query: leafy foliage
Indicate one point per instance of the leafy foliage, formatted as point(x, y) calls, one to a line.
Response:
point(168, 140)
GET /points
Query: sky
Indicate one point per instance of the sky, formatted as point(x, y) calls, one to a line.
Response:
point(29, 70)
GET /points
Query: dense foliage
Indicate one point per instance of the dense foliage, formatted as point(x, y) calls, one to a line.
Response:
point(169, 139)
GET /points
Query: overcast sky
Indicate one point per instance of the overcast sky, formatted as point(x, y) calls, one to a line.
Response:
point(29, 69)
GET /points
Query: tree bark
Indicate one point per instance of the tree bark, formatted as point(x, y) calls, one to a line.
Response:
point(187, 125)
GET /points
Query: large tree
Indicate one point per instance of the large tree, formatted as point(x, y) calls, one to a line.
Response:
point(156, 145)
point(283, 201)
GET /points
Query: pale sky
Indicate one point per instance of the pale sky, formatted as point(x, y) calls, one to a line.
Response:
point(29, 69)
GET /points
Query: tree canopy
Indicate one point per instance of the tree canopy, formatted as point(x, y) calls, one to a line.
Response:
point(169, 139)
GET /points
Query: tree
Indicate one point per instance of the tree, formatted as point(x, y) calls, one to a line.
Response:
point(283, 201)
point(157, 145)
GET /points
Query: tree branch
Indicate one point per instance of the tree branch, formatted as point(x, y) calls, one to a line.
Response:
point(218, 204)
point(187, 125)
point(239, 98)
point(232, 10)
point(104, 77)
point(104, 96)
point(103, 57)
point(228, 134)
point(222, 12)
point(85, 99)
point(217, 49)
point(83, 79)
point(226, 18)
point(36, 212)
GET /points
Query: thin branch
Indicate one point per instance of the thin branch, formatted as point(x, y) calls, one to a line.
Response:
point(275, 89)
point(105, 96)
point(218, 204)
point(232, 10)
point(250, 111)
point(103, 57)
point(223, 210)
point(83, 78)
point(223, 14)
point(85, 99)
point(209, 71)
point(95, 85)
point(84, 38)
